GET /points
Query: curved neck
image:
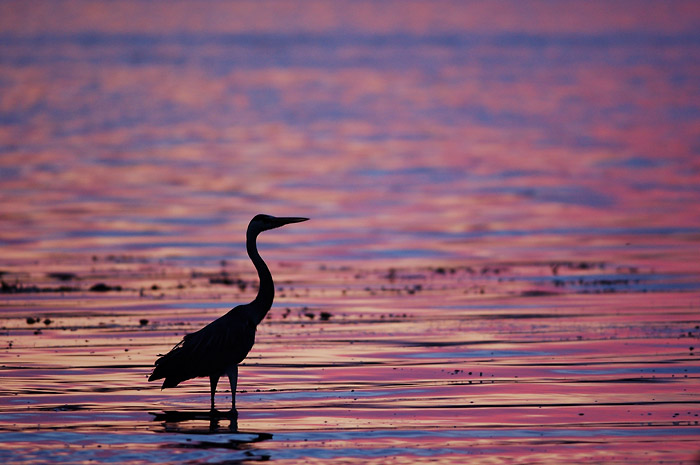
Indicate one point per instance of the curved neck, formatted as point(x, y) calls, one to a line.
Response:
point(266, 292)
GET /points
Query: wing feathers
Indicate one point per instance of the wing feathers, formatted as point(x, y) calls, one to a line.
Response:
point(209, 351)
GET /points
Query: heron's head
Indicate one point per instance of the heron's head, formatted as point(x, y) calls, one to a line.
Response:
point(262, 222)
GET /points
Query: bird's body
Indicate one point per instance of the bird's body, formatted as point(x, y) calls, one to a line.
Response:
point(220, 346)
point(210, 351)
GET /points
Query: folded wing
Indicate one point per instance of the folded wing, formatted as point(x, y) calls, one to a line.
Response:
point(209, 351)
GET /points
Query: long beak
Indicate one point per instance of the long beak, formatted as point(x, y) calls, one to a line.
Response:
point(289, 219)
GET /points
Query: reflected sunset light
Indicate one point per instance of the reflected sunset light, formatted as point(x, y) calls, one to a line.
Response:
point(502, 263)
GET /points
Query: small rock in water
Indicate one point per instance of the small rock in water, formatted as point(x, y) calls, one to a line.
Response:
point(143, 322)
point(62, 276)
point(102, 287)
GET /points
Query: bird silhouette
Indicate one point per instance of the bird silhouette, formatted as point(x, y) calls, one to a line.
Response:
point(220, 346)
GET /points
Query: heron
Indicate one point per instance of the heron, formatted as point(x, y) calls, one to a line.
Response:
point(220, 346)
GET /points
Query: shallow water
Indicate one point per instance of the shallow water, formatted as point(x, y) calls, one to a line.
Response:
point(439, 373)
point(502, 260)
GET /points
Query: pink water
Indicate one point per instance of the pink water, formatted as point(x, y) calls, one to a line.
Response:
point(502, 262)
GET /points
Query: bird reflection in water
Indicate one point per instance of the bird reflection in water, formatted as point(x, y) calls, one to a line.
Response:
point(178, 422)
point(192, 421)
point(220, 346)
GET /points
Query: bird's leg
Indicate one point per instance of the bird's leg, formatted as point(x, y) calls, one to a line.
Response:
point(232, 373)
point(213, 380)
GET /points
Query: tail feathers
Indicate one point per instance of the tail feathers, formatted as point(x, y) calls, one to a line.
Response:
point(170, 382)
point(171, 379)
point(172, 368)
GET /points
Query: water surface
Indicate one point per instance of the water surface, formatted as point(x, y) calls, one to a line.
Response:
point(502, 264)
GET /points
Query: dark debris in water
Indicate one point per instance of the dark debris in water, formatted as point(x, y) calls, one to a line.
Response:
point(62, 276)
point(102, 287)
point(572, 265)
point(538, 293)
point(19, 288)
point(224, 278)
point(63, 408)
